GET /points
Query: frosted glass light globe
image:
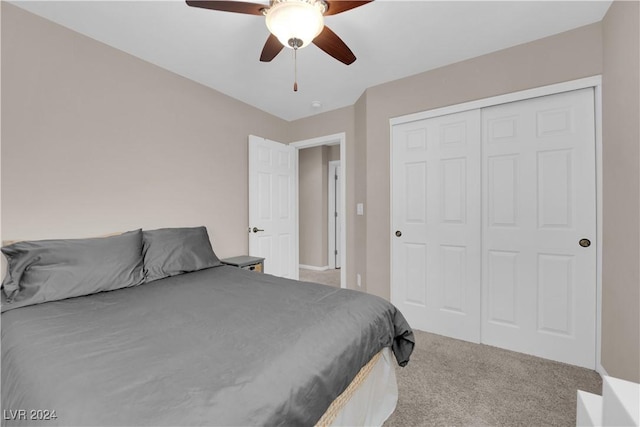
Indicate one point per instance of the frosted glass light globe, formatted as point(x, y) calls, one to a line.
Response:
point(295, 19)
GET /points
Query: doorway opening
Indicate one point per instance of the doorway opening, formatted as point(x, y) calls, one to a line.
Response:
point(321, 207)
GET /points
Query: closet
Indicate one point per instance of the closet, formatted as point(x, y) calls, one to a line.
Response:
point(494, 225)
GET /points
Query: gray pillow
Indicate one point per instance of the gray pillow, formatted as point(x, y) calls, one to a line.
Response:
point(172, 251)
point(50, 270)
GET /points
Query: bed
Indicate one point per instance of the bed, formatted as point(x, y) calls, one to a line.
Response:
point(188, 341)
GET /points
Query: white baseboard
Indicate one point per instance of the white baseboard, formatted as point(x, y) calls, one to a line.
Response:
point(601, 371)
point(313, 267)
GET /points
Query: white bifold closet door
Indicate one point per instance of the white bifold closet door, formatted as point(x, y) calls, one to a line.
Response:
point(493, 212)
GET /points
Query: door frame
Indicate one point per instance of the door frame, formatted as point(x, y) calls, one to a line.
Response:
point(331, 204)
point(335, 139)
point(594, 82)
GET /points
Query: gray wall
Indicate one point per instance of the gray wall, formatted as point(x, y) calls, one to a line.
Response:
point(313, 206)
point(566, 56)
point(95, 141)
point(621, 182)
point(360, 189)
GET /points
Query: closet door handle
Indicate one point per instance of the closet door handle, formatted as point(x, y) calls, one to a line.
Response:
point(398, 233)
point(585, 243)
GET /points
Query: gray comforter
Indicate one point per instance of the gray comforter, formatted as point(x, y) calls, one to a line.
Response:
point(221, 346)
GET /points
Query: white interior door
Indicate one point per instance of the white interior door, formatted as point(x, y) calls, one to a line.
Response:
point(272, 202)
point(436, 224)
point(539, 284)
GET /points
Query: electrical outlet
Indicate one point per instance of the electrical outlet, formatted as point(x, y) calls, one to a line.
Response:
point(360, 209)
point(359, 280)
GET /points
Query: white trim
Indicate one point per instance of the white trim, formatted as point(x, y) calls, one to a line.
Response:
point(314, 268)
point(331, 209)
point(296, 237)
point(392, 287)
point(599, 209)
point(337, 138)
point(587, 82)
point(600, 370)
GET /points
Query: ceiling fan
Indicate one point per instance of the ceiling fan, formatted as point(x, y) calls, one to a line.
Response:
point(293, 23)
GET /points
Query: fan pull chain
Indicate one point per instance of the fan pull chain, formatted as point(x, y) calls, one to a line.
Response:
point(295, 43)
point(295, 69)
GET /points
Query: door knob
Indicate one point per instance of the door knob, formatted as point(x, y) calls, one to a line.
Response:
point(585, 243)
point(398, 233)
point(256, 229)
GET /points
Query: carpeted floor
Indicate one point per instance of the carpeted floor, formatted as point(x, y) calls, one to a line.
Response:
point(454, 383)
point(327, 277)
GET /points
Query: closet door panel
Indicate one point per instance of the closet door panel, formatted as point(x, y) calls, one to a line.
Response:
point(539, 187)
point(436, 224)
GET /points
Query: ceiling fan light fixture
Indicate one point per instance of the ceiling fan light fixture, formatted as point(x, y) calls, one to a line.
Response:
point(295, 22)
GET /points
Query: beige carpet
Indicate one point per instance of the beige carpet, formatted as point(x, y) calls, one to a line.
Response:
point(326, 277)
point(455, 383)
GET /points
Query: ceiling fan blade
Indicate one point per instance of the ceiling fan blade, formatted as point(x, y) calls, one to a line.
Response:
point(339, 6)
point(328, 41)
point(271, 49)
point(229, 6)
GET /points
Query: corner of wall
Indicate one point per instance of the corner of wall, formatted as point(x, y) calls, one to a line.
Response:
point(620, 347)
point(360, 194)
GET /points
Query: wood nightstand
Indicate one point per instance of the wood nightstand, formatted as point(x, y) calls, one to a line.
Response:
point(246, 262)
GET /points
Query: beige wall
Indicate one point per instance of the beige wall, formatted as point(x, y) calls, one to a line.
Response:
point(329, 123)
point(95, 140)
point(621, 182)
point(360, 190)
point(333, 153)
point(313, 203)
point(566, 56)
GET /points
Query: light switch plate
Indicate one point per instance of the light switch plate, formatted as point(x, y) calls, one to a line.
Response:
point(360, 209)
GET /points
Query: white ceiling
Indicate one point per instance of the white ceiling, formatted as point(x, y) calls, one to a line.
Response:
point(391, 39)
